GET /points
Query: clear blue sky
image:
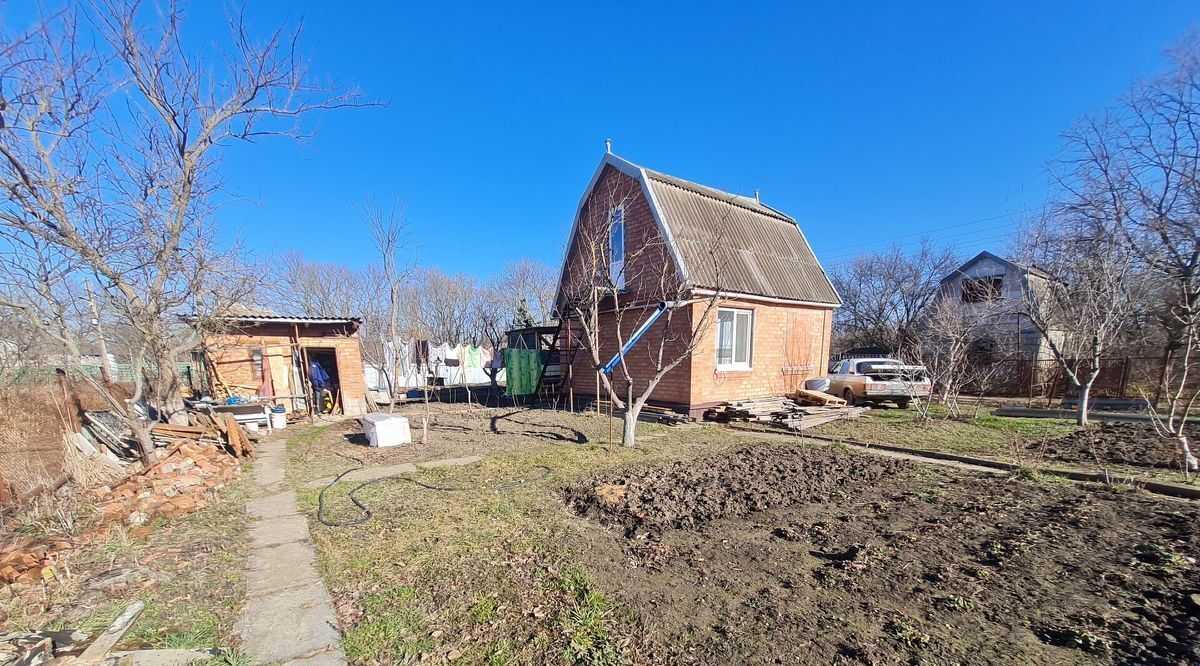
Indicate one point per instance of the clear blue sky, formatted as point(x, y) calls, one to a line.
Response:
point(865, 123)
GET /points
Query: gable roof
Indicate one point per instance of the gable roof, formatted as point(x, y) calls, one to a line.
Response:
point(726, 241)
point(1029, 270)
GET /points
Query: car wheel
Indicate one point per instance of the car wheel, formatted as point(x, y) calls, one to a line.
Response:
point(902, 404)
point(848, 396)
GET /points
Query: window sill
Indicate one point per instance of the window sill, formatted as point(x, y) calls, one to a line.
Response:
point(723, 369)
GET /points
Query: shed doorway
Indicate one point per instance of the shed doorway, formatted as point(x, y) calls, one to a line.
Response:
point(324, 378)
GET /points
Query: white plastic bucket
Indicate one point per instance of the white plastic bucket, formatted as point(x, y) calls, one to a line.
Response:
point(386, 429)
point(278, 420)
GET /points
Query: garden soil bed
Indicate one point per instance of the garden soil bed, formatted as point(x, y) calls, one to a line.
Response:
point(1136, 445)
point(799, 555)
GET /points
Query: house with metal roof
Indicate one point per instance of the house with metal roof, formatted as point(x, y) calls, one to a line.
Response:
point(774, 301)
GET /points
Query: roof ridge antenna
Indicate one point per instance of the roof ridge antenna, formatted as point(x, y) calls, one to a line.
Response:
point(756, 196)
point(608, 146)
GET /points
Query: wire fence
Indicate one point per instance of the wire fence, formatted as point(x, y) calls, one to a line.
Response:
point(1125, 377)
point(122, 373)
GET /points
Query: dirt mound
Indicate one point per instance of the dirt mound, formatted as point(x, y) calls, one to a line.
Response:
point(1109, 443)
point(649, 499)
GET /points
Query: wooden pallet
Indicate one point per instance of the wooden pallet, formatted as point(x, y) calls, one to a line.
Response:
point(782, 412)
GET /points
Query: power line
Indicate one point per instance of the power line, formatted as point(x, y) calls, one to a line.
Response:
point(992, 236)
point(927, 232)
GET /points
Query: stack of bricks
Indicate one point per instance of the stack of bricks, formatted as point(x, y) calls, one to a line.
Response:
point(175, 486)
point(27, 560)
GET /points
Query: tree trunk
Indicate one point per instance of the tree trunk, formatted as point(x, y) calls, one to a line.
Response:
point(632, 409)
point(629, 433)
point(141, 434)
point(1185, 455)
point(170, 391)
point(1081, 417)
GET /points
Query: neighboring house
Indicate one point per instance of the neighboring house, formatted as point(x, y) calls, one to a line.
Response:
point(254, 348)
point(772, 329)
point(997, 288)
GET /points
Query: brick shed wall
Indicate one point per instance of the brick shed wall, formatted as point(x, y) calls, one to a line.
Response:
point(231, 356)
point(790, 345)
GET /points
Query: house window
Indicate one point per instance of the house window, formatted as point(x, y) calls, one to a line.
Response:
point(735, 339)
point(616, 247)
point(981, 290)
point(256, 362)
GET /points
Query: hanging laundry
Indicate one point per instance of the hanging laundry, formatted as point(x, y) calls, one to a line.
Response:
point(472, 357)
point(497, 358)
point(420, 352)
point(437, 354)
point(453, 355)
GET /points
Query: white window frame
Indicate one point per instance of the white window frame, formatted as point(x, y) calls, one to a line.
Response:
point(616, 267)
point(747, 364)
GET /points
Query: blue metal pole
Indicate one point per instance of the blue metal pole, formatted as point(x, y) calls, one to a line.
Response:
point(637, 335)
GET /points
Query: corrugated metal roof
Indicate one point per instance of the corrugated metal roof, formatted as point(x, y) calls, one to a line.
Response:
point(736, 244)
point(290, 320)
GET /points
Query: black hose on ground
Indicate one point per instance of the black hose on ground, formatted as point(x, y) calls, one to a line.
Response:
point(368, 514)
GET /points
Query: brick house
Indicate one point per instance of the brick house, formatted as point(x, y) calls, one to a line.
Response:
point(771, 329)
point(238, 358)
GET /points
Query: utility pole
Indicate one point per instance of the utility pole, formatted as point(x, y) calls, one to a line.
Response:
point(104, 369)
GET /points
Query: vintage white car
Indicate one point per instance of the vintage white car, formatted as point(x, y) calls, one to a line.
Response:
point(873, 380)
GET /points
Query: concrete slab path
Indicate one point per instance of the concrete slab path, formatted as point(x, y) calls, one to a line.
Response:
point(288, 617)
point(372, 473)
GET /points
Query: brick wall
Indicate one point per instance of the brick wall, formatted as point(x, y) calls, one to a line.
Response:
point(673, 389)
point(231, 356)
point(647, 258)
point(790, 344)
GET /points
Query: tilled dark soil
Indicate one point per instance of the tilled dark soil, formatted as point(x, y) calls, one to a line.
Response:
point(645, 500)
point(853, 559)
point(1112, 444)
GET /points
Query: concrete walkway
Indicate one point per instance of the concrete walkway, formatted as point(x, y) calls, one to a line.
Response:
point(372, 473)
point(288, 617)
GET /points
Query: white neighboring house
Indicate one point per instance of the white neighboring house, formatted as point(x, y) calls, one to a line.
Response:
point(987, 279)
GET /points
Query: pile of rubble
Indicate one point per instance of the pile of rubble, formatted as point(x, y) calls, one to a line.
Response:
point(27, 560)
point(176, 485)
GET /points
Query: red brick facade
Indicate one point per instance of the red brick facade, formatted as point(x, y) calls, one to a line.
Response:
point(790, 341)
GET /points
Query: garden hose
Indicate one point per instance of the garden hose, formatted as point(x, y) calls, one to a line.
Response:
point(543, 472)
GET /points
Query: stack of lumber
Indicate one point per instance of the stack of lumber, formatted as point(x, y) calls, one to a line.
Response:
point(223, 428)
point(662, 415)
point(782, 412)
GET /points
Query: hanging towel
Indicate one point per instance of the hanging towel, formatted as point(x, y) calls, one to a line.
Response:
point(498, 358)
point(472, 357)
point(523, 371)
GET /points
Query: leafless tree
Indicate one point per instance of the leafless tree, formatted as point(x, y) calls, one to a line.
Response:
point(1092, 298)
point(884, 293)
point(531, 282)
point(110, 150)
point(444, 305)
point(1137, 166)
point(611, 301)
point(386, 225)
point(953, 342)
